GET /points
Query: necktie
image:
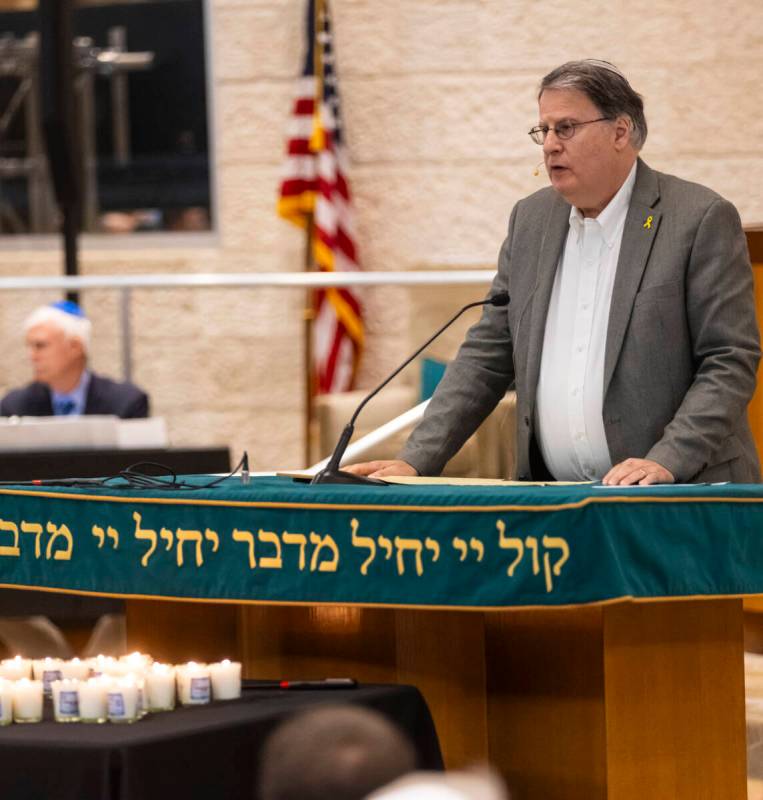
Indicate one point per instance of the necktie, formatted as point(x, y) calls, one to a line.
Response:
point(64, 407)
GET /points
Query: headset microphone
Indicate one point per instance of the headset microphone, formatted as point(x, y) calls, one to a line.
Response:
point(536, 171)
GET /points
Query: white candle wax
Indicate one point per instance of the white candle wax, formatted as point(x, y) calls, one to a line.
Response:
point(6, 701)
point(99, 665)
point(160, 687)
point(47, 670)
point(226, 679)
point(137, 661)
point(122, 699)
point(74, 668)
point(27, 701)
point(193, 683)
point(14, 669)
point(92, 700)
point(65, 700)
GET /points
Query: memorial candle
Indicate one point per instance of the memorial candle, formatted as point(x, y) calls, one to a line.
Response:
point(14, 669)
point(74, 668)
point(193, 683)
point(122, 698)
point(47, 670)
point(226, 679)
point(27, 700)
point(92, 700)
point(160, 687)
point(65, 700)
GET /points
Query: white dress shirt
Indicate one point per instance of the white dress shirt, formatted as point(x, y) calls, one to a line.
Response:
point(569, 426)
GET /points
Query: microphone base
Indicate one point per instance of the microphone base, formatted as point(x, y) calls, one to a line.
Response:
point(340, 476)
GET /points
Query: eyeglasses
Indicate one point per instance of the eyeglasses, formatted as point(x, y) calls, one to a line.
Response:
point(564, 130)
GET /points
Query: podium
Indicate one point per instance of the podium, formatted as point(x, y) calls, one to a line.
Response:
point(587, 642)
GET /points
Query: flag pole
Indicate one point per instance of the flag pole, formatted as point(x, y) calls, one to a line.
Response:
point(308, 316)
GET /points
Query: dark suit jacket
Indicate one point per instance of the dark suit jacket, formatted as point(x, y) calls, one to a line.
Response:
point(682, 345)
point(104, 396)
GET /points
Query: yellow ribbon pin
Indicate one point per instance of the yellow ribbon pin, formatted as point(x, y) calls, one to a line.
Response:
point(648, 223)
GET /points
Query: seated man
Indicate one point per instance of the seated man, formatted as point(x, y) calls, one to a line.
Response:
point(57, 338)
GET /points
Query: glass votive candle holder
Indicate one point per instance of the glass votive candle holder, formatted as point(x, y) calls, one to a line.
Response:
point(76, 669)
point(47, 670)
point(160, 687)
point(193, 682)
point(92, 700)
point(6, 701)
point(65, 700)
point(100, 664)
point(14, 669)
point(226, 679)
point(122, 700)
point(27, 701)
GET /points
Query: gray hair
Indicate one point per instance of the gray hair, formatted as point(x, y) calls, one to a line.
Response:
point(606, 87)
point(74, 327)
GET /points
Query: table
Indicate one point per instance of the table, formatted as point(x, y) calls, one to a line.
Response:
point(199, 752)
point(587, 641)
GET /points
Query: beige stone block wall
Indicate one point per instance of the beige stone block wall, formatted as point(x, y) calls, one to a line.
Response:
point(437, 96)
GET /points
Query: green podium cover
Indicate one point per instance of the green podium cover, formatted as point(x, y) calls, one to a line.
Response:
point(275, 540)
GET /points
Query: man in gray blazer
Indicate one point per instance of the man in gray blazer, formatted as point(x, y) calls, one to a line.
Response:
point(631, 337)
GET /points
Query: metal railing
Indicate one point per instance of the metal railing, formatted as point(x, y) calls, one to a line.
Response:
point(124, 284)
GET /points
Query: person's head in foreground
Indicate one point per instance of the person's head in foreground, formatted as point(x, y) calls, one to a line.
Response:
point(333, 753)
point(57, 340)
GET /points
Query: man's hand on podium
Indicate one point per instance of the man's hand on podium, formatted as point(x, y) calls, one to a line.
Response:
point(381, 469)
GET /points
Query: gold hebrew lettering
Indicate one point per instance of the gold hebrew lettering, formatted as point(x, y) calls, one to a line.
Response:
point(246, 536)
point(270, 562)
point(36, 529)
point(364, 541)
point(320, 543)
point(55, 531)
point(169, 538)
point(212, 536)
point(408, 544)
point(554, 543)
point(8, 549)
point(509, 543)
point(434, 546)
point(184, 536)
point(532, 543)
point(460, 545)
point(386, 545)
point(113, 534)
point(478, 548)
point(298, 539)
point(97, 531)
point(144, 533)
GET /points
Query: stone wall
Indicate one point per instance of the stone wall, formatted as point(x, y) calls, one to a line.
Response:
point(437, 97)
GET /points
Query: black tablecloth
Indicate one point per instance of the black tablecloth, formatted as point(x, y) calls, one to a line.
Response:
point(198, 752)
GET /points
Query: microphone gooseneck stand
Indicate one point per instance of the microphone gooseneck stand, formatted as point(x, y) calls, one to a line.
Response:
point(331, 473)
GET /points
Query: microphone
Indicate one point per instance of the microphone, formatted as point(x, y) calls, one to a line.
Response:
point(536, 171)
point(331, 472)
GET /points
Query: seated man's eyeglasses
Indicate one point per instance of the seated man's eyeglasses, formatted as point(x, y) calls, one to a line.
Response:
point(563, 130)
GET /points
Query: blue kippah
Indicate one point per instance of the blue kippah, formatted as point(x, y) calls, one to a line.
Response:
point(69, 307)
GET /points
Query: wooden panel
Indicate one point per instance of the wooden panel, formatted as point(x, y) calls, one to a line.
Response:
point(674, 689)
point(319, 642)
point(179, 632)
point(443, 654)
point(545, 703)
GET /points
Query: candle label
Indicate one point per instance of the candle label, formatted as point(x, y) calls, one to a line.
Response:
point(48, 676)
point(200, 689)
point(68, 703)
point(116, 705)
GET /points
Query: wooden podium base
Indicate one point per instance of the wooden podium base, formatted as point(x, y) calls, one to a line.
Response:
point(619, 702)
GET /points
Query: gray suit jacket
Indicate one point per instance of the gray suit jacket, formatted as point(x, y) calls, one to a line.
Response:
point(682, 343)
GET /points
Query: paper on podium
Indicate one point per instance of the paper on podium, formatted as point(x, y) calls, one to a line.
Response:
point(424, 480)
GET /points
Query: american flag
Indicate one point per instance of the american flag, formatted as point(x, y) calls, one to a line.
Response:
point(315, 195)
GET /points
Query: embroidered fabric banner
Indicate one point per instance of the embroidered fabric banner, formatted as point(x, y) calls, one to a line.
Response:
point(275, 540)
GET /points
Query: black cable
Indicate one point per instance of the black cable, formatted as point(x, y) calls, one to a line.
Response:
point(137, 479)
